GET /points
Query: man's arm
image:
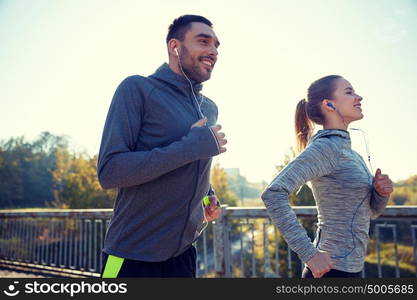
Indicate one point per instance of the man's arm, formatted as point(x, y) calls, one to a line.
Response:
point(120, 166)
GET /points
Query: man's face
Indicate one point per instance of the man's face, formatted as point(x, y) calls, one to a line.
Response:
point(198, 52)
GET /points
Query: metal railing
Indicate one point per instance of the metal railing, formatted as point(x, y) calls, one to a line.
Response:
point(267, 254)
point(242, 243)
point(66, 241)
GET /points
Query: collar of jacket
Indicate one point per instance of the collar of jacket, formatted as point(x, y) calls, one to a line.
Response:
point(329, 132)
point(167, 76)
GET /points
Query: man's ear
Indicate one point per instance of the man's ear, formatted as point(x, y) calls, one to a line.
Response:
point(173, 47)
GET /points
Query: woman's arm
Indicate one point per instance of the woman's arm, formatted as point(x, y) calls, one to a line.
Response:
point(318, 159)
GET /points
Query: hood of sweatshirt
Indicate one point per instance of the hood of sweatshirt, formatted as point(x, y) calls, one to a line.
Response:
point(165, 74)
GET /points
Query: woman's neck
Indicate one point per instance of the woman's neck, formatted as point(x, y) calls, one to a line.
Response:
point(335, 124)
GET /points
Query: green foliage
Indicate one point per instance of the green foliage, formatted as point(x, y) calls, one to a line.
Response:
point(387, 258)
point(25, 179)
point(218, 178)
point(76, 184)
point(405, 192)
point(45, 173)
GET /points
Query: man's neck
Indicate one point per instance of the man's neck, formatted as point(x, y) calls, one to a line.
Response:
point(173, 65)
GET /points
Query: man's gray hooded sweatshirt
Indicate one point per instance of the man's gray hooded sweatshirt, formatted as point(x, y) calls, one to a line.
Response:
point(345, 198)
point(159, 165)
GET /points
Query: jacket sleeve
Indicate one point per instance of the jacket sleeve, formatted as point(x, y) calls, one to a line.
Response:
point(378, 204)
point(318, 159)
point(120, 166)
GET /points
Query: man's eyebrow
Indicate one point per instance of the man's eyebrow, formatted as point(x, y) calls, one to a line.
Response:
point(207, 36)
point(349, 88)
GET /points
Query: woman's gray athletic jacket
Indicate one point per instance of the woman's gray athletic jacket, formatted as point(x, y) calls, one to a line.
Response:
point(345, 198)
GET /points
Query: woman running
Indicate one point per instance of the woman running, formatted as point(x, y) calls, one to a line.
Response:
point(346, 193)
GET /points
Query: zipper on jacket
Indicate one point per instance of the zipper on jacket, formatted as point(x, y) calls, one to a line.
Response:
point(193, 100)
point(188, 210)
point(201, 115)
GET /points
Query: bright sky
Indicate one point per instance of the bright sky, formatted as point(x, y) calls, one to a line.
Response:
point(61, 61)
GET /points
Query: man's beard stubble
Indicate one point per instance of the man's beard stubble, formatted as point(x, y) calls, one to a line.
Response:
point(193, 72)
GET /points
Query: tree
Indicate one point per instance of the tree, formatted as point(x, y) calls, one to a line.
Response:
point(11, 187)
point(46, 173)
point(219, 183)
point(76, 184)
point(405, 192)
point(24, 174)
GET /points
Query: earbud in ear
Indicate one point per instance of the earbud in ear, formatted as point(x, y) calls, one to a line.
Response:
point(331, 105)
point(176, 51)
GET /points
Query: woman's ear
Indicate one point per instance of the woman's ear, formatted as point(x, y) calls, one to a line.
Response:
point(328, 105)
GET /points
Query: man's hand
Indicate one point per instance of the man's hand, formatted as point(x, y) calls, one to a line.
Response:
point(212, 211)
point(382, 184)
point(320, 264)
point(216, 130)
point(220, 137)
point(200, 123)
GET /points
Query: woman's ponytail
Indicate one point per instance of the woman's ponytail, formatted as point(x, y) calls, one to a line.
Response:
point(303, 125)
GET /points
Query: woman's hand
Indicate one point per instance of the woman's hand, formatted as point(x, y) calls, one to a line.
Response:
point(382, 184)
point(320, 264)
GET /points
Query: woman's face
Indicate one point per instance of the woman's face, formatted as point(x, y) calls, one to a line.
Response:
point(346, 101)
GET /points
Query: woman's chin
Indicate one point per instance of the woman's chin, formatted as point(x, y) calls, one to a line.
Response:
point(358, 116)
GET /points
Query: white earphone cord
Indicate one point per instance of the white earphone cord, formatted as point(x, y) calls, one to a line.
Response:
point(192, 89)
point(202, 115)
point(365, 138)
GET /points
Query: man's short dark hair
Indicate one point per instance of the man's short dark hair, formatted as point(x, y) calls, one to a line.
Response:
point(181, 25)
